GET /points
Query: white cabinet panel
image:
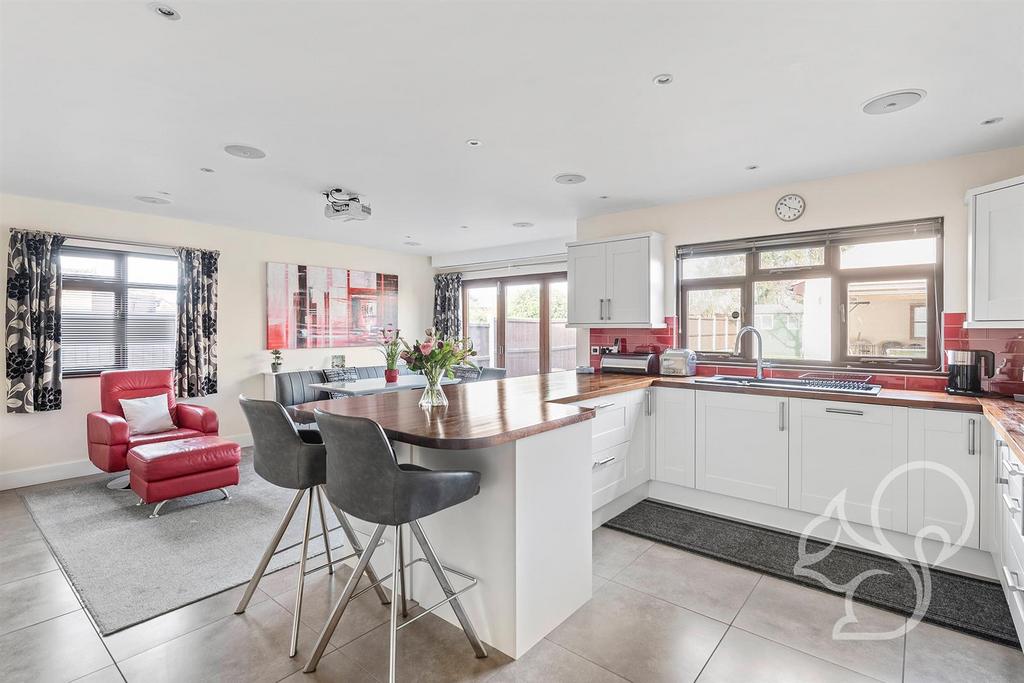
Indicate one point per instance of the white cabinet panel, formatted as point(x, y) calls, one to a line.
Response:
point(953, 440)
point(837, 446)
point(996, 252)
point(641, 441)
point(609, 470)
point(1010, 566)
point(587, 265)
point(674, 420)
point(628, 287)
point(741, 446)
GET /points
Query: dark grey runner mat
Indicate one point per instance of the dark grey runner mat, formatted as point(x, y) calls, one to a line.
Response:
point(972, 606)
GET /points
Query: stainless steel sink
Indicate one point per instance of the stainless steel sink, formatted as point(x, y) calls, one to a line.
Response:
point(830, 386)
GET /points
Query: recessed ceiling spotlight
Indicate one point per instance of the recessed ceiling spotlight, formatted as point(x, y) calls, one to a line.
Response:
point(473, 142)
point(893, 101)
point(752, 167)
point(522, 224)
point(205, 169)
point(147, 199)
point(410, 243)
point(464, 227)
point(603, 196)
point(992, 121)
point(165, 11)
point(570, 179)
point(245, 152)
point(662, 79)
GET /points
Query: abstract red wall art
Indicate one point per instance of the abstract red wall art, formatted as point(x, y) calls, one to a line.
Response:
point(316, 307)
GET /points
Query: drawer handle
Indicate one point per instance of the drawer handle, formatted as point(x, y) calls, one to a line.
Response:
point(603, 461)
point(1012, 504)
point(1011, 583)
point(1012, 469)
point(604, 405)
point(844, 411)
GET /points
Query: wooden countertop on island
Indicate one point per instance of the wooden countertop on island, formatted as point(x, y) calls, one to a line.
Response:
point(485, 414)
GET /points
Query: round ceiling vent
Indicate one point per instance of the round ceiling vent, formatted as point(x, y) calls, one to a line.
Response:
point(893, 101)
point(245, 152)
point(522, 224)
point(165, 11)
point(570, 179)
point(148, 199)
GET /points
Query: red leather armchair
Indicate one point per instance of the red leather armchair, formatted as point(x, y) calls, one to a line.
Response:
point(109, 438)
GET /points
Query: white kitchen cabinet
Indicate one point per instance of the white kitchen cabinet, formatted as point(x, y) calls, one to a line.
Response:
point(852, 447)
point(1009, 556)
point(742, 446)
point(620, 444)
point(952, 441)
point(641, 441)
point(617, 282)
point(995, 296)
point(674, 422)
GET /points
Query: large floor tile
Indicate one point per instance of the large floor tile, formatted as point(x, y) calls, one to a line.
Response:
point(24, 560)
point(251, 647)
point(429, 649)
point(692, 581)
point(131, 641)
point(937, 655)
point(18, 527)
point(35, 599)
point(613, 551)
point(61, 649)
point(334, 668)
point(547, 662)
point(742, 656)
point(639, 636)
point(320, 594)
point(803, 618)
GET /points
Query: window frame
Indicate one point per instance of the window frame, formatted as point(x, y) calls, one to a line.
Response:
point(120, 287)
point(541, 279)
point(832, 241)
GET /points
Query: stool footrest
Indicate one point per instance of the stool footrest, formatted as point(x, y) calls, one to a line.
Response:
point(473, 581)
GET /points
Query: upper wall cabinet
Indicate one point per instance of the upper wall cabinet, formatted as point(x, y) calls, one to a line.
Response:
point(995, 296)
point(617, 282)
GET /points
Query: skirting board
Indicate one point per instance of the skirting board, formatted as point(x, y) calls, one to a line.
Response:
point(965, 561)
point(44, 474)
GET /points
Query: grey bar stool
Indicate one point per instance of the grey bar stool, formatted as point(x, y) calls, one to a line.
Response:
point(365, 480)
point(297, 460)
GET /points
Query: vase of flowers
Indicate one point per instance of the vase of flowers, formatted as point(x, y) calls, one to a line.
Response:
point(275, 360)
point(391, 348)
point(435, 358)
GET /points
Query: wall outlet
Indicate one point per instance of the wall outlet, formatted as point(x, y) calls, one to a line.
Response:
point(595, 350)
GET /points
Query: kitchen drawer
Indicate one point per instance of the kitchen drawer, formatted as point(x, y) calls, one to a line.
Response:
point(614, 418)
point(1012, 574)
point(854, 413)
point(1012, 494)
point(609, 474)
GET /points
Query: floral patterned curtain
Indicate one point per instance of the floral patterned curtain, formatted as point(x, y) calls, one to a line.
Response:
point(195, 367)
point(448, 305)
point(33, 322)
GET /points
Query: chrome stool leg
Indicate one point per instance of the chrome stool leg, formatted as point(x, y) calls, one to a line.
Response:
point(357, 548)
point(268, 554)
point(323, 527)
point(397, 581)
point(446, 586)
point(302, 577)
point(400, 543)
point(346, 596)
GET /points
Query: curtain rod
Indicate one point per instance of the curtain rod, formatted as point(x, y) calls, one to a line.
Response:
point(110, 240)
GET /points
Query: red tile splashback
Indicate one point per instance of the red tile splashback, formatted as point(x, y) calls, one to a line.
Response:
point(1007, 345)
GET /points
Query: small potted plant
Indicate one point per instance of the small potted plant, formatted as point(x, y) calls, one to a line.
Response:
point(275, 363)
point(391, 348)
point(436, 358)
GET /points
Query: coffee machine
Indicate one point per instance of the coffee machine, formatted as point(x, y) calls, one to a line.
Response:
point(965, 368)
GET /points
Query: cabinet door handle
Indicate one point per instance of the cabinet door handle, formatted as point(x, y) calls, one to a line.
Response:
point(599, 406)
point(1012, 504)
point(782, 416)
point(609, 309)
point(1011, 582)
point(647, 402)
point(603, 461)
point(844, 411)
point(971, 448)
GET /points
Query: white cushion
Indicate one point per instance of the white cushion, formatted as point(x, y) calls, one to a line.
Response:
point(147, 415)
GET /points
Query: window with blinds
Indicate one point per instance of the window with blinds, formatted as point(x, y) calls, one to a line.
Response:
point(118, 310)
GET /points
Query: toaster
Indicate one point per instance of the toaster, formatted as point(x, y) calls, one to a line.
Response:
point(679, 362)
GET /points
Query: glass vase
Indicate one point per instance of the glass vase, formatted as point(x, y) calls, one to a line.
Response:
point(433, 393)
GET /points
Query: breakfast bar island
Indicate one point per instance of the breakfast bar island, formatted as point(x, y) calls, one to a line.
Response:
point(527, 535)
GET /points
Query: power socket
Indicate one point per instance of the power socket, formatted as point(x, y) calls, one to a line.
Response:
point(595, 350)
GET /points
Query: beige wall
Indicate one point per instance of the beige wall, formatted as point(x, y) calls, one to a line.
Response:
point(58, 439)
point(906, 192)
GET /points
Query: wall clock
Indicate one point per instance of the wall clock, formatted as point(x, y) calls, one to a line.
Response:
point(790, 207)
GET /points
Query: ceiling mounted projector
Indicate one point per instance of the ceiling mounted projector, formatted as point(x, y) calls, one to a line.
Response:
point(346, 206)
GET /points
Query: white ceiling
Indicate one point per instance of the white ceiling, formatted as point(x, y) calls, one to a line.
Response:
point(102, 101)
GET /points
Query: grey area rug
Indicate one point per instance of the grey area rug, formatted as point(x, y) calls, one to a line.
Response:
point(128, 568)
point(973, 606)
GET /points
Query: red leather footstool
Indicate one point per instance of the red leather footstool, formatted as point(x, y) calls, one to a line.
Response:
point(172, 469)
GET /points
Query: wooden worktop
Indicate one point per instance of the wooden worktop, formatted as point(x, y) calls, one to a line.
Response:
point(1007, 417)
point(485, 414)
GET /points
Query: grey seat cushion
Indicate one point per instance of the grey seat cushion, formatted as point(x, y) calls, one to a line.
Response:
point(492, 373)
point(293, 387)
